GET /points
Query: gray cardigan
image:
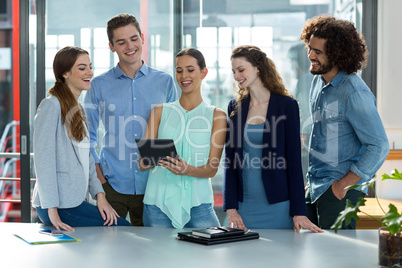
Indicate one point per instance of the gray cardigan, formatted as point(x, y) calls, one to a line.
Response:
point(60, 175)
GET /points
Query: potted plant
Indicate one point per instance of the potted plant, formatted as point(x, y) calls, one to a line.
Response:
point(390, 237)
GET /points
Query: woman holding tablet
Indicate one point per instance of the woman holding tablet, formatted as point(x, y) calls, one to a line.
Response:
point(65, 169)
point(179, 191)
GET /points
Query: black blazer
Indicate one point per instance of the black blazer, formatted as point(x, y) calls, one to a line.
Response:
point(282, 175)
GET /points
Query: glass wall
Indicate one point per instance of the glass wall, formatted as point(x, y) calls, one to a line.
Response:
point(86, 27)
point(5, 70)
point(8, 189)
point(5, 78)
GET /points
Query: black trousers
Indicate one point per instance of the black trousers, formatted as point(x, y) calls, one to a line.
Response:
point(324, 211)
point(125, 203)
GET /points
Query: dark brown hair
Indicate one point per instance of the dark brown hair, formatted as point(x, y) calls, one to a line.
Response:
point(121, 20)
point(268, 74)
point(72, 115)
point(345, 46)
point(196, 54)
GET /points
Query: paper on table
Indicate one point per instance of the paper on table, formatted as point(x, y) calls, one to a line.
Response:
point(36, 238)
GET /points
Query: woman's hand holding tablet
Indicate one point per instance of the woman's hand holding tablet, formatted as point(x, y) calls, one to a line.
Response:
point(154, 150)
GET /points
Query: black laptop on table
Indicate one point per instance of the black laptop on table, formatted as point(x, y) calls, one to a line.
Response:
point(188, 236)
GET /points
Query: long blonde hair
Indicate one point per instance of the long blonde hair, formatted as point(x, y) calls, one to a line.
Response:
point(72, 115)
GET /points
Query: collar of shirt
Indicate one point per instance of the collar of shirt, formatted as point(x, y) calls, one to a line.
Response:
point(144, 70)
point(337, 81)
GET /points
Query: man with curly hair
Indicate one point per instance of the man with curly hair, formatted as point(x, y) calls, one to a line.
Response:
point(348, 143)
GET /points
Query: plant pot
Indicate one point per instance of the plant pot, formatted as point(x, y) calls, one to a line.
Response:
point(389, 248)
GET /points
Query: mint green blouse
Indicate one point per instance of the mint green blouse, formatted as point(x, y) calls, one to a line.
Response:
point(191, 130)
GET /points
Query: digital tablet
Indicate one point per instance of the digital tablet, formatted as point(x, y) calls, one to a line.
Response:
point(153, 150)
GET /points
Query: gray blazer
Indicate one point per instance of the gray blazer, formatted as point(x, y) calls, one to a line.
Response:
point(60, 175)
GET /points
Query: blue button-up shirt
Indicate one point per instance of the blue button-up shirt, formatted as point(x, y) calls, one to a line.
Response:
point(347, 132)
point(123, 106)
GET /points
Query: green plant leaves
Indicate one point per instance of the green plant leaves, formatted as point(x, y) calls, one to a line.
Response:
point(395, 175)
point(348, 213)
point(392, 220)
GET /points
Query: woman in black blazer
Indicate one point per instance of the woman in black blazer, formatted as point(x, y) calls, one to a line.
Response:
point(263, 184)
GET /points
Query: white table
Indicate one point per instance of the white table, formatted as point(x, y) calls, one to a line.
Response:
point(157, 247)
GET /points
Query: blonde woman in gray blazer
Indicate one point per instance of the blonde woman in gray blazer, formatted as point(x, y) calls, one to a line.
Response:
point(65, 169)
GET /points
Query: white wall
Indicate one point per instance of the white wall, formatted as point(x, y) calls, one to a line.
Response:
point(389, 188)
point(389, 88)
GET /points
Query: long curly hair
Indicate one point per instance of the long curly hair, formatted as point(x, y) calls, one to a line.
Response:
point(72, 115)
point(268, 74)
point(345, 46)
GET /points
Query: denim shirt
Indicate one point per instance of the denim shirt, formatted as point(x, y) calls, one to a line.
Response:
point(123, 105)
point(347, 132)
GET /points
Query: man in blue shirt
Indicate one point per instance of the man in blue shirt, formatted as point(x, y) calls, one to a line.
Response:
point(348, 143)
point(122, 99)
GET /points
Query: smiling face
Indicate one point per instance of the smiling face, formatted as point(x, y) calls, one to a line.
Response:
point(79, 77)
point(320, 63)
point(189, 74)
point(245, 73)
point(127, 43)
